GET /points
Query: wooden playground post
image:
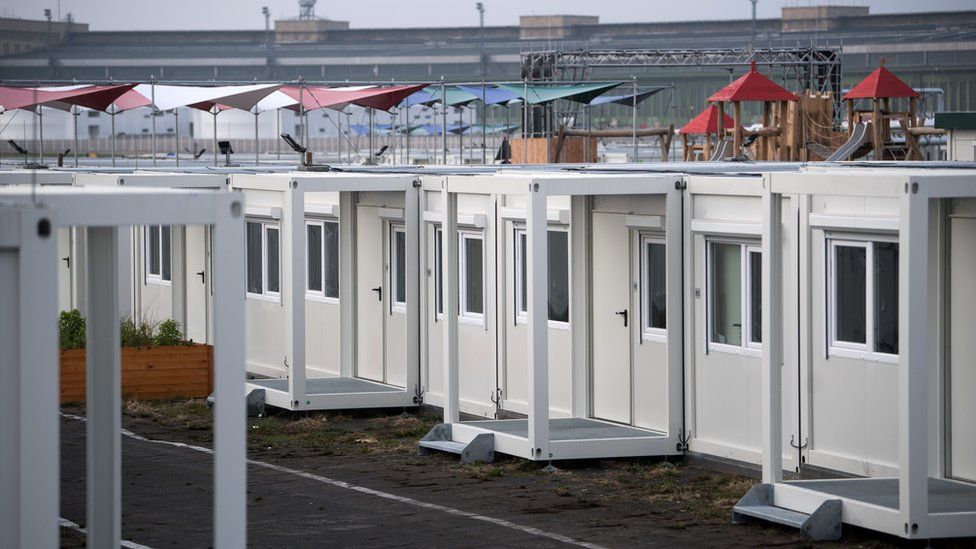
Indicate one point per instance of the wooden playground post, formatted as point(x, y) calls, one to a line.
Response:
point(876, 127)
point(737, 131)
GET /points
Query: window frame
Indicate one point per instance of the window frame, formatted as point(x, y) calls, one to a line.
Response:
point(847, 349)
point(464, 316)
point(394, 276)
point(265, 295)
point(438, 272)
point(319, 295)
point(521, 308)
point(649, 333)
point(746, 346)
point(158, 278)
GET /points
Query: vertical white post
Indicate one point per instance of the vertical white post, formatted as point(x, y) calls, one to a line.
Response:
point(675, 305)
point(580, 257)
point(176, 128)
point(537, 280)
point(411, 218)
point(29, 448)
point(177, 264)
point(772, 335)
point(104, 445)
point(913, 296)
point(449, 298)
point(292, 279)
point(153, 114)
point(128, 281)
point(230, 473)
point(347, 284)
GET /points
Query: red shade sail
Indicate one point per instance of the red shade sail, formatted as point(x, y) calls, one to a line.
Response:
point(881, 84)
point(707, 122)
point(753, 86)
point(384, 99)
point(92, 97)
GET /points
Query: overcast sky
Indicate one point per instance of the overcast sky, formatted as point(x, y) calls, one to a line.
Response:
point(246, 14)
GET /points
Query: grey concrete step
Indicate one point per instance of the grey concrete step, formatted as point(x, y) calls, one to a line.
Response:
point(771, 513)
point(444, 446)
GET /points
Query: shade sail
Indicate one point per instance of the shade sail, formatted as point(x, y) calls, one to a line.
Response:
point(456, 96)
point(536, 94)
point(383, 99)
point(98, 98)
point(206, 98)
point(707, 122)
point(275, 100)
point(628, 99)
point(129, 100)
point(881, 84)
point(92, 97)
point(753, 86)
point(491, 95)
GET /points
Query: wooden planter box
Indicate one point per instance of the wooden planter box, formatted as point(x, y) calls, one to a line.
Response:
point(148, 373)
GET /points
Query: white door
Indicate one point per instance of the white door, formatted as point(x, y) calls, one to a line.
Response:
point(64, 269)
point(371, 294)
point(197, 282)
point(612, 318)
point(962, 349)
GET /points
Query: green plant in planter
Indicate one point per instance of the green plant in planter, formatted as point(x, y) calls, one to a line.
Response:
point(169, 333)
point(137, 334)
point(71, 330)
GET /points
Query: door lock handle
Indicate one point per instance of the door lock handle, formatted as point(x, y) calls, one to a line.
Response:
point(203, 277)
point(623, 313)
point(379, 292)
point(67, 260)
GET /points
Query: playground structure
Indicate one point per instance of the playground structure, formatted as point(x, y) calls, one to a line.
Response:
point(870, 130)
point(705, 125)
point(777, 138)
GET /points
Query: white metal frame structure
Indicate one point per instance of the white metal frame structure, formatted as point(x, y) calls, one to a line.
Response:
point(348, 390)
point(540, 437)
point(919, 501)
point(29, 424)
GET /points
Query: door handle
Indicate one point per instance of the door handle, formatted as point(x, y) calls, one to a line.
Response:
point(624, 314)
point(379, 292)
point(67, 260)
point(203, 277)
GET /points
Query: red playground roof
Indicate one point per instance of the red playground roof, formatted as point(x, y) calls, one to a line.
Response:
point(753, 86)
point(707, 122)
point(881, 84)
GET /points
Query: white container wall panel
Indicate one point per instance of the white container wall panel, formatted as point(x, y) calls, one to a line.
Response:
point(322, 325)
point(962, 344)
point(513, 374)
point(724, 362)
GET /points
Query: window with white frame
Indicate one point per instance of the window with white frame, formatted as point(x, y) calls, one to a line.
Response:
point(734, 294)
point(862, 280)
point(438, 271)
point(471, 246)
point(398, 270)
point(558, 266)
point(322, 242)
point(653, 285)
point(158, 258)
point(263, 259)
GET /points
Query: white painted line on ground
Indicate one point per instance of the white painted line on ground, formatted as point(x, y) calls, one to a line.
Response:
point(369, 491)
point(65, 523)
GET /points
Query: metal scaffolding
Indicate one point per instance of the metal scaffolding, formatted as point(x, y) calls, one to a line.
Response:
point(815, 68)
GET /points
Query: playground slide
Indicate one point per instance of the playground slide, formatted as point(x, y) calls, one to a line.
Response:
point(721, 150)
point(860, 136)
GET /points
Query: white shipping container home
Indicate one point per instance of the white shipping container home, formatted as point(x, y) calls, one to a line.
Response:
point(566, 301)
point(884, 348)
point(724, 341)
point(332, 288)
point(166, 268)
point(29, 421)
